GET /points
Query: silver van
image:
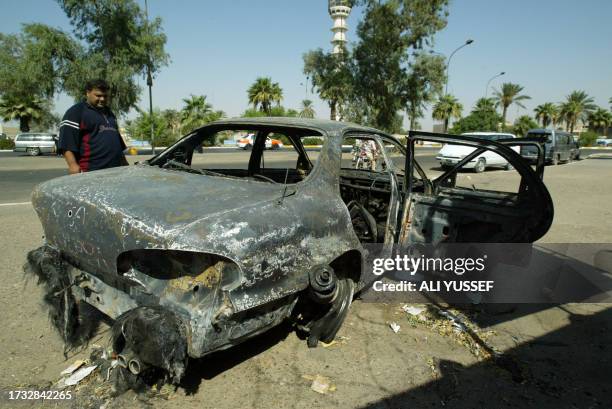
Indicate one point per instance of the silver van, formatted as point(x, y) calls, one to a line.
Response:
point(559, 147)
point(35, 143)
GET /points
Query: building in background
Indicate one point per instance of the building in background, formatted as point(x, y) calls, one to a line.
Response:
point(339, 11)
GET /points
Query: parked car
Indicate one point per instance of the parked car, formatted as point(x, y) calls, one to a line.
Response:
point(602, 141)
point(35, 143)
point(246, 143)
point(190, 259)
point(559, 147)
point(451, 154)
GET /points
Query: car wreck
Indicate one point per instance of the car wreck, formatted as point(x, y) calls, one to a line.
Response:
point(188, 260)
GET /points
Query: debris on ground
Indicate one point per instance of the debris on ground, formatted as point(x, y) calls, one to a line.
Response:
point(414, 311)
point(76, 377)
point(76, 365)
point(339, 340)
point(320, 384)
point(395, 327)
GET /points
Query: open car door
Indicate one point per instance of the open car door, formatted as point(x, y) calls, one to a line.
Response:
point(437, 210)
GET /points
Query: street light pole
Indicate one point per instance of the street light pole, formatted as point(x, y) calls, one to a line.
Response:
point(150, 84)
point(491, 79)
point(468, 42)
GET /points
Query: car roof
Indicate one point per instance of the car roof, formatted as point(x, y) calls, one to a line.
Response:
point(326, 125)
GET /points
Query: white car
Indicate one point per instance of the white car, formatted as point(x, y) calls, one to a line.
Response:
point(451, 154)
point(246, 143)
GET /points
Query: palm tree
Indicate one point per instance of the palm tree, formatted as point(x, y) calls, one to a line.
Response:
point(195, 113)
point(523, 124)
point(307, 109)
point(576, 107)
point(173, 119)
point(484, 105)
point(600, 119)
point(263, 93)
point(547, 113)
point(510, 94)
point(24, 110)
point(447, 108)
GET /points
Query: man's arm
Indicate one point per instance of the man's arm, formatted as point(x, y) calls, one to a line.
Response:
point(70, 138)
point(73, 165)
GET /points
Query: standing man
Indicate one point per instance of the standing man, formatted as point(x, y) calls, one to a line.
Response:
point(89, 136)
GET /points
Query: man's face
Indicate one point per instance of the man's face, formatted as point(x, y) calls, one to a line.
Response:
point(97, 98)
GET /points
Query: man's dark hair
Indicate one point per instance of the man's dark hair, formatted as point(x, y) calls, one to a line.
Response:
point(97, 84)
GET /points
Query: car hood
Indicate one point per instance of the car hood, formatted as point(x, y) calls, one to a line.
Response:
point(114, 210)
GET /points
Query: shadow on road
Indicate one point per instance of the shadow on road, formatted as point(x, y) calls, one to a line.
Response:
point(567, 368)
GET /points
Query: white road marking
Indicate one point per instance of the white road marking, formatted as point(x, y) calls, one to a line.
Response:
point(15, 204)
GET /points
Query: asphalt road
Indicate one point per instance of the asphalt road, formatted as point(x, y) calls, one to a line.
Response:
point(19, 173)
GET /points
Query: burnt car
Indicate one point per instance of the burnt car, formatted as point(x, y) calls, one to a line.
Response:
point(188, 257)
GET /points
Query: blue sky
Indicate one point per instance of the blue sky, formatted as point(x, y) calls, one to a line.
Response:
point(551, 47)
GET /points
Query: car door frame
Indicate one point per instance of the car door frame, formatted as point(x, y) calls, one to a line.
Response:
point(531, 180)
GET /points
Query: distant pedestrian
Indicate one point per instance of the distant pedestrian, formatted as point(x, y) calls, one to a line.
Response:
point(89, 136)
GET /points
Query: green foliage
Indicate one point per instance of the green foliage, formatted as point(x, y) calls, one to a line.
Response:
point(447, 108)
point(307, 110)
point(33, 65)
point(600, 120)
point(120, 45)
point(7, 143)
point(276, 111)
point(24, 109)
point(478, 121)
point(312, 141)
point(510, 94)
point(577, 106)
point(424, 81)
point(588, 138)
point(547, 113)
point(388, 31)
point(523, 124)
point(484, 105)
point(263, 93)
point(140, 128)
point(197, 113)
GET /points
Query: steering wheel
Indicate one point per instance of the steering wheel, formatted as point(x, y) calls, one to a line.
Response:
point(262, 177)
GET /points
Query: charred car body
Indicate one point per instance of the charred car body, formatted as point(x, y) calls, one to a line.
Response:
point(191, 260)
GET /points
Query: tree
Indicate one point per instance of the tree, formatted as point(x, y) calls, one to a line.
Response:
point(547, 113)
point(307, 110)
point(424, 81)
point(600, 119)
point(523, 124)
point(510, 94)
point(576, 107)
point(121, 44)
point(197, 112)
point(275, 111)
point(32, 67)
point(23, 109)
point(263, 93)
point(447, 108)
point(484, 105)
point(142, 128)
point(388, 33)
point(331, 77)
point(173, 118)
point(478, 121)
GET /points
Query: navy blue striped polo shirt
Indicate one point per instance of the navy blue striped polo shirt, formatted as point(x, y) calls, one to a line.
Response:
point(93, 136)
